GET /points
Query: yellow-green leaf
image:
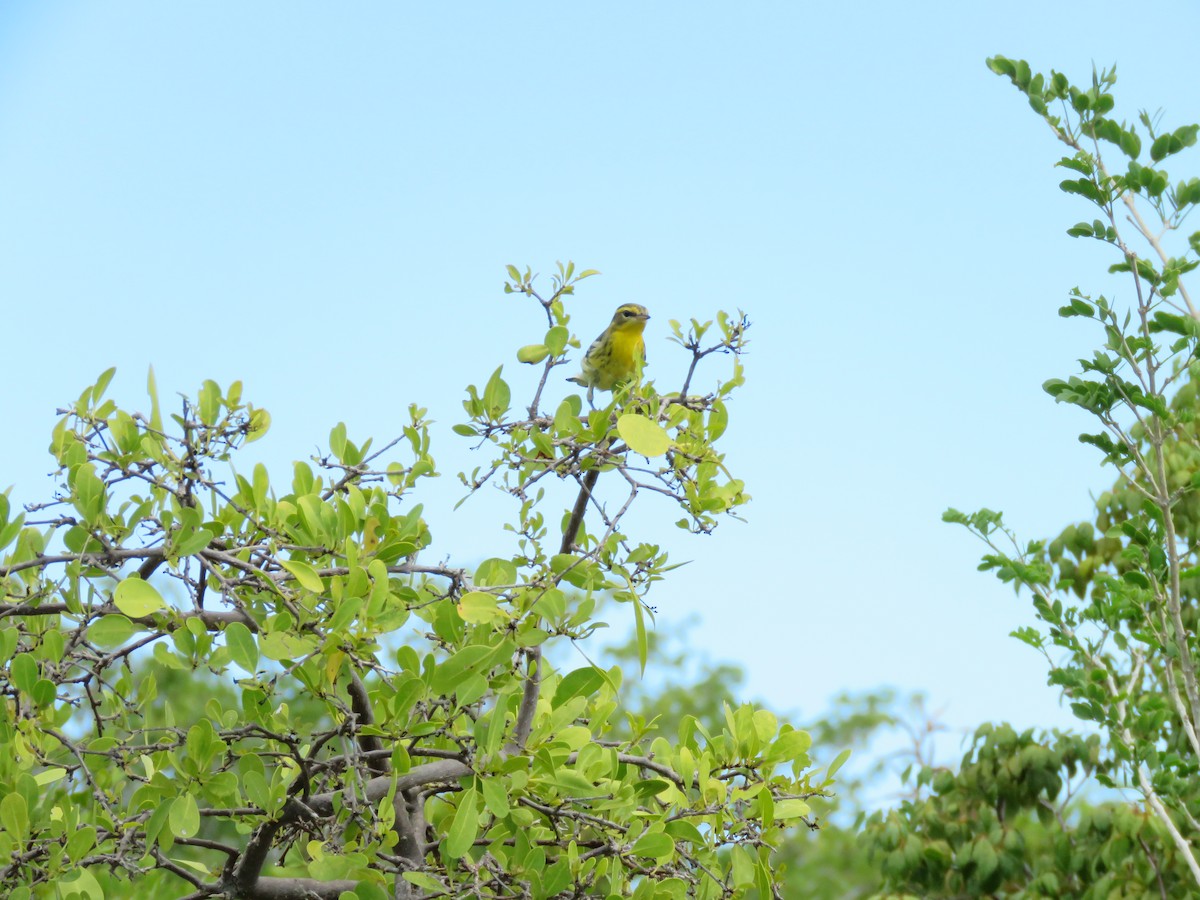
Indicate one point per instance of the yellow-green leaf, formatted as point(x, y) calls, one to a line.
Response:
point(533, 353)
point(242, 648)
point(479, 608)
point(305, 574)
point(14, 816)
point(655, 846)
point(465, 826)
point(49, 776)
point(110, 631)
point(137, 598)
point(838, 762)
point(281, 645)
point(643, 436)
point(791, 809)
point(184, 816)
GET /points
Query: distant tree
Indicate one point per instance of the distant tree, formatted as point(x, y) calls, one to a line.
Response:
point(1117, 598)
point(1015, 819)
point(217, 686)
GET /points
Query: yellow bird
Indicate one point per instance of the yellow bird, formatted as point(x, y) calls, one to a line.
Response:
point(619, 352)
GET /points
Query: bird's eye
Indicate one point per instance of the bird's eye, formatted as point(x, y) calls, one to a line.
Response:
point(628, 313)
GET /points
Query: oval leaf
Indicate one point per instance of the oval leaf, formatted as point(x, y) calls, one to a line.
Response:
point(137, 598)
point(305, 574)
point(533, 353)
point(479, 608)
point(655, 846)
point(463, 828)
point(110, 631)
point(280, 645)
point(184, 816)
point(242, 648)
point(643, 436)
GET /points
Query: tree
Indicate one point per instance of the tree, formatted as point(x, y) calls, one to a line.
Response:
point(215, 686)
point(1014, 819)
point(1117, 598)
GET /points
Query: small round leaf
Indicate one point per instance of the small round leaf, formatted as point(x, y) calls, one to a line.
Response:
point(137, 598)
point(643, 436)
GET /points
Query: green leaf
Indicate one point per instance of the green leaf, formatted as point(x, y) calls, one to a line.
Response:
point(495, 797)
point(23, 672)
point(566, 417)
point(346, 612)
point(643, 642)
point(426, 882)
point(305, 574)
point(184, 816)
point(337, 440)
point(90, 492)
point(581, 683)
point(533, 353)
point(497, 395)
point(110, 631)
point(83, 886)
point(1001, 65)
point(258, 425)
point(137, 598)
point(10, 531)
point(49, 776)
point(185, 543)
point(280, 645)
point(80, 842)
point(556, 339)
point(243, 649)
point(1136, 578)
point(479, 608)
point(793, 808)
point(643, 436)
point(210, 402)
point(495, 572)
point(718, 420)
point(789, 745)
point(156, 422)
point(1085, 187)
point(463, 828)
point(468, 661)
point(838, 762)
point(102, 383)
point(1166, 144)
point(683, 830)
point(1081, 163)
point(655, 846)
point(14, 816)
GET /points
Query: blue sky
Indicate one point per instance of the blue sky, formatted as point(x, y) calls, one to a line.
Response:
point(320, 199)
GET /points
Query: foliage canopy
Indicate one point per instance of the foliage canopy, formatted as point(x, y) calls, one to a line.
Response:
point(218, 684)
point(1117, 598)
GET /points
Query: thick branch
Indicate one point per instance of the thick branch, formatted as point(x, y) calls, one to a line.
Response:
point(571, 532)
point(360, 704)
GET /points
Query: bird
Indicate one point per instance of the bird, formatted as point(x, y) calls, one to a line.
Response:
point(618, 354)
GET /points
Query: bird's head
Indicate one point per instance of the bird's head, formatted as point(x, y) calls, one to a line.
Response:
point(629, 317)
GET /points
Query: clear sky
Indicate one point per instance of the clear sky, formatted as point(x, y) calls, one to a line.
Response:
point(319, 200)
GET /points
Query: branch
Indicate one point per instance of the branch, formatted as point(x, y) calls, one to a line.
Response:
point(1185, 849)
point(576, 521)
point(360, 704)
